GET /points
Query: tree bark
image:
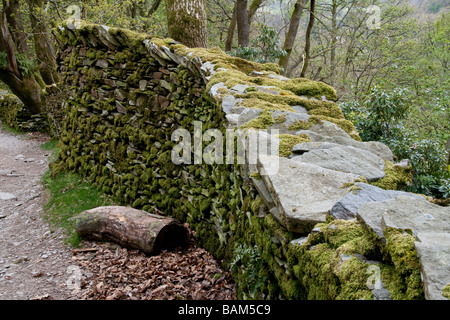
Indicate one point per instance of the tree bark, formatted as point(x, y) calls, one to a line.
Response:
point(242, 23)
point(13, 16)
point(187, 23)
point(25, 87)
point(231, 28)
point(44, 49)
point(308, 39)
point(131, 228)
point(292, 33)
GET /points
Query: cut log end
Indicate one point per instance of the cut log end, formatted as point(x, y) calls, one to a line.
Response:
point(132, 228)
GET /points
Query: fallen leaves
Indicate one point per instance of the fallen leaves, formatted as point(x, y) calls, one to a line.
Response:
point(111, 272)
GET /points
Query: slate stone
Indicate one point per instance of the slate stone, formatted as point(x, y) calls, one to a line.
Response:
point(404, 212)
point(346, 159)
point(433, 250)
point(414, 214)
point(347, 207)
point(329, 132)
point(7, 196)
point(304, 193)
point(302, 148)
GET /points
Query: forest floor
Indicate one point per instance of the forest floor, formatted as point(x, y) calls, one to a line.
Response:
point(36, 264)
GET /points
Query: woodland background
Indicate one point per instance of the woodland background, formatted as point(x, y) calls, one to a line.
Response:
point(392, 80)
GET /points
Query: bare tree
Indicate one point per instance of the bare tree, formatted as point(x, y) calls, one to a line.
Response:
point(292, 32)
point(308, 38)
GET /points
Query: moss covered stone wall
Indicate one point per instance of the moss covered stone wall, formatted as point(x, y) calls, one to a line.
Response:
point(126, 93)
point(15, 115)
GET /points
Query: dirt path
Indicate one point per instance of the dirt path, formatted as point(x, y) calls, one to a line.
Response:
point(33, 259)
point(34, 263)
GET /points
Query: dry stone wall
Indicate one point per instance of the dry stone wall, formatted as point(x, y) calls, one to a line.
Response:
point(322, 226)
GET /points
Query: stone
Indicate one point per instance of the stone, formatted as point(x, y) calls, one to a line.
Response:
point(329, 132)
point(240, 88)
point(102, 63)
point(142, 84)
point(7, 196)
point(347, 207)
point(416, 215)
point(404, 212)
point(5, 172)
point(228, 102)
point(302, 148)
point(346, 159)
point(304, 193)
point(433, 250)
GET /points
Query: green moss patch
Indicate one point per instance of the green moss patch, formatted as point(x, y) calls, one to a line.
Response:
point(288, 141)
point(396, 177)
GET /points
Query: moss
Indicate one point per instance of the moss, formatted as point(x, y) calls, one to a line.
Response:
point(263, 121)
point(300, 125)
point(256, 175)
point(396, 177)
point(265, 105)
point(288, 141)
point(280, 119)
point(446, 291)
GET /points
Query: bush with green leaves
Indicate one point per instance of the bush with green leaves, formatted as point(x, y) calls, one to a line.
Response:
point(381, 116)
point(264, 48)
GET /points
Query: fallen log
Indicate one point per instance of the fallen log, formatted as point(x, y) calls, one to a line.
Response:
point(131, 228)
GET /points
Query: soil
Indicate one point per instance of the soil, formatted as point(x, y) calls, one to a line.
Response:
point(36, 264)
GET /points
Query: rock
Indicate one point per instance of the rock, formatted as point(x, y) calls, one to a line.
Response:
point(102, 63)
point(302, 148)
point(433, 249)
point(7, 196)
point(404, 212)
point(347, 207)
point(304, 193)
point(329, 132)
point(5, 172)
point(228, 102)
point(240, 88)
point(414, 214)
point(346, 159)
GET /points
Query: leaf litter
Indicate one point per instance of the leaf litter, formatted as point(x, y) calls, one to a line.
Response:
point(112, 272)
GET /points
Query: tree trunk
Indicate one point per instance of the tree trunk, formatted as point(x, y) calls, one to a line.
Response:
point(45, 51)
point(13, 16)
point(308, 39)
point(24, 86)
point(292, 33)
point(242, 23)
point(231, 28)
point(131, 228)
point(186, 21)
point(333, 43)
point(254, 6)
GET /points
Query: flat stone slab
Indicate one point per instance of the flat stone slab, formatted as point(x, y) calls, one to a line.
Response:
point(433, 250)
point(302, 148)
point(7, 196)
point(404, 212)
point(304, 193)
point(329, 132)
point(414, 214)
point(346, 159)
point(347, 207)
